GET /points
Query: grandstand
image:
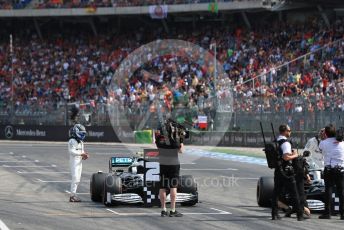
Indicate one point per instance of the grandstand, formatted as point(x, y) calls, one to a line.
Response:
point(284, 61)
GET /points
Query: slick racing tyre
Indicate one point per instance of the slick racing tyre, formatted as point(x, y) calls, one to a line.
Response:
point(96, 186)
point(265, 187)
point(187, 184)
point(112, 185)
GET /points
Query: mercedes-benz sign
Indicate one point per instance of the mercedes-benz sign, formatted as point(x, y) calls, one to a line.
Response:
point(9, 132)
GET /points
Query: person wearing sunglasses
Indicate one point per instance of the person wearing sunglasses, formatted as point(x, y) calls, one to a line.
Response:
point(284, 176)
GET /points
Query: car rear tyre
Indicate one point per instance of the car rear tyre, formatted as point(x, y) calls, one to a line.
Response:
point(187, 184)
point(265, 187)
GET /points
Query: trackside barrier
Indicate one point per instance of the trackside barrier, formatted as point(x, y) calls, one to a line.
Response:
point(247, 139)
point(56, 133)
point(124, 134)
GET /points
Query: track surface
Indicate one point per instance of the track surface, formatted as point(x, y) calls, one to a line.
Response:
point(35, 182)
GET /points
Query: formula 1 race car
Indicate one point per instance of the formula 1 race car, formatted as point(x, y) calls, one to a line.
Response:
point(125, 184)
point(314, 191)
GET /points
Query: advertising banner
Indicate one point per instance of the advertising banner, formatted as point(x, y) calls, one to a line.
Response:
point(55, 133)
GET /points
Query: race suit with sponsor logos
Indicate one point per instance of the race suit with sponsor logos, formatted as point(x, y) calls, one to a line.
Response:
point(75, 150)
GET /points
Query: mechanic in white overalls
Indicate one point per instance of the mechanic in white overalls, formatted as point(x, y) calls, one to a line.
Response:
point(76, 155)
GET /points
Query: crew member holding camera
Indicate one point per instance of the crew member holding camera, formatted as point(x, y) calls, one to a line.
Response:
point(284, 174)
point(301, 169)
point(333, 149)
point(302, 164)
point(169, 140)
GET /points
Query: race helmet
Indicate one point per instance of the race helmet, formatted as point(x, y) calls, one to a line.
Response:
point(78, 132)
point(321, 134)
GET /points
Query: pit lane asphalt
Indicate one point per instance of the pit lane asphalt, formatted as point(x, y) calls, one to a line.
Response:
point(35, 177)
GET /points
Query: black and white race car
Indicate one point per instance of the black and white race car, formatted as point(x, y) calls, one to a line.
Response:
point(124, 183)
point(314, 191)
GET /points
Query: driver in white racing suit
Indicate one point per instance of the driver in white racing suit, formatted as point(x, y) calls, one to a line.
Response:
point(76, 155)
point(312, 146)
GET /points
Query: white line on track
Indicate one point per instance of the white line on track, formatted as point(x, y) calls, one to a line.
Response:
point(58, 181)
point(244, 178)
point(54, 181)
point(79, 193)
point(30, 166)
point(107, 153)
point(192, 163)
point(41, 172)
point(110, 210)
point(219, 212)
point(19, 161)
point(3, 226)
point(248, 178)
point(227, 169)
point(6, 153)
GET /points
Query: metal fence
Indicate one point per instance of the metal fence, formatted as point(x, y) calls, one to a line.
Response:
point(167, 2)
point(304, 121)
point(104, 115)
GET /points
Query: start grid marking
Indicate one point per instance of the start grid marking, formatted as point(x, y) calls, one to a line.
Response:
point(3, 226)
point(59, 181)
point(28, 166)
point(18, 161)
point(41, 172)
point(217, 212)
point(9, 153)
